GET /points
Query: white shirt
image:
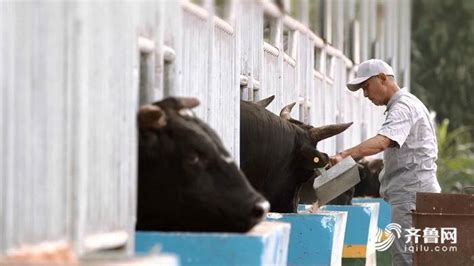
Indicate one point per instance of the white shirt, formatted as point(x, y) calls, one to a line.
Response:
point(410, 166)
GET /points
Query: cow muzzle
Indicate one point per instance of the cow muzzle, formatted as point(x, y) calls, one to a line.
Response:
point(260, 209)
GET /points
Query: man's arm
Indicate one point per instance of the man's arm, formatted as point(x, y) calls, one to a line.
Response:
point(369, 147)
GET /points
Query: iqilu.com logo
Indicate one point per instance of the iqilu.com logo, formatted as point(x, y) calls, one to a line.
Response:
point(443, 239)
point(385, 238)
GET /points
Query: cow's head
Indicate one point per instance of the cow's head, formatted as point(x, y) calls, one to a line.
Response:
point(187, 179)
point(315, 134)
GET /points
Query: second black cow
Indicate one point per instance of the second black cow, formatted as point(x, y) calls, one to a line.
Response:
point(278, 154)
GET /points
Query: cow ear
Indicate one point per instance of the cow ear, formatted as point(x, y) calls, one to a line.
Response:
point(285, 112)
point(265, 102)
point(319, 133)
point(151, 117)
point(187, 102)
point(177, 103)
point(312, 158)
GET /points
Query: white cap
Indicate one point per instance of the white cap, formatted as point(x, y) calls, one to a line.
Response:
point(368, 69)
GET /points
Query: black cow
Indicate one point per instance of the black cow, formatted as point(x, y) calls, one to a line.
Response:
point(369, 172)
point(187, 181)
point(278, 154)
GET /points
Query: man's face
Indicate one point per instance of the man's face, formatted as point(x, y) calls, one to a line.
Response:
point(373, 90)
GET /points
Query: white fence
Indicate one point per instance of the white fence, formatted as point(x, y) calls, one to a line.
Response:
point(73, 74)
point(69, 94)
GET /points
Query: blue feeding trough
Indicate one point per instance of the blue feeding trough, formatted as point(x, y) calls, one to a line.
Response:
point(316, 238)
point(361, 230)
point(385, 215)
point(265, 244)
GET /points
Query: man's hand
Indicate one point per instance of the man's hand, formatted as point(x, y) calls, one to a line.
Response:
point(335, 159)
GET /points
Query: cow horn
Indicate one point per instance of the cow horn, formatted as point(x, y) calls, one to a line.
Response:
point(319, 133)
point(187, 102)
point(151, 117)
point(265, 102)
point(285, 112)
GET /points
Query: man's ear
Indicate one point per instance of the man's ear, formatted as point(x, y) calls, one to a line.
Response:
point(382, 76)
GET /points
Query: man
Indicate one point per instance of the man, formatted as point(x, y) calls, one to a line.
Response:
point(408, 140)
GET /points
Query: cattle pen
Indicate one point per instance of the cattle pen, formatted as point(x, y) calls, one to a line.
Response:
point(74, 73)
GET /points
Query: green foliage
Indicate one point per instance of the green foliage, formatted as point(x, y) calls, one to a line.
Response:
point(455, 157)
point(442, 69)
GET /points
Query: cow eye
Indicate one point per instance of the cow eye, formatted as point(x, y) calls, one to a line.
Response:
point(193, 159)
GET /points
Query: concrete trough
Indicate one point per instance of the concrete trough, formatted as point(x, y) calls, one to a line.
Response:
point(114, 258)
point(385, 215)
point(265, 244)
point(316, 238)
point(361, 230)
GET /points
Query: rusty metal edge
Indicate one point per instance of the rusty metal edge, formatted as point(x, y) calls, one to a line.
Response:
point(443, 214)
